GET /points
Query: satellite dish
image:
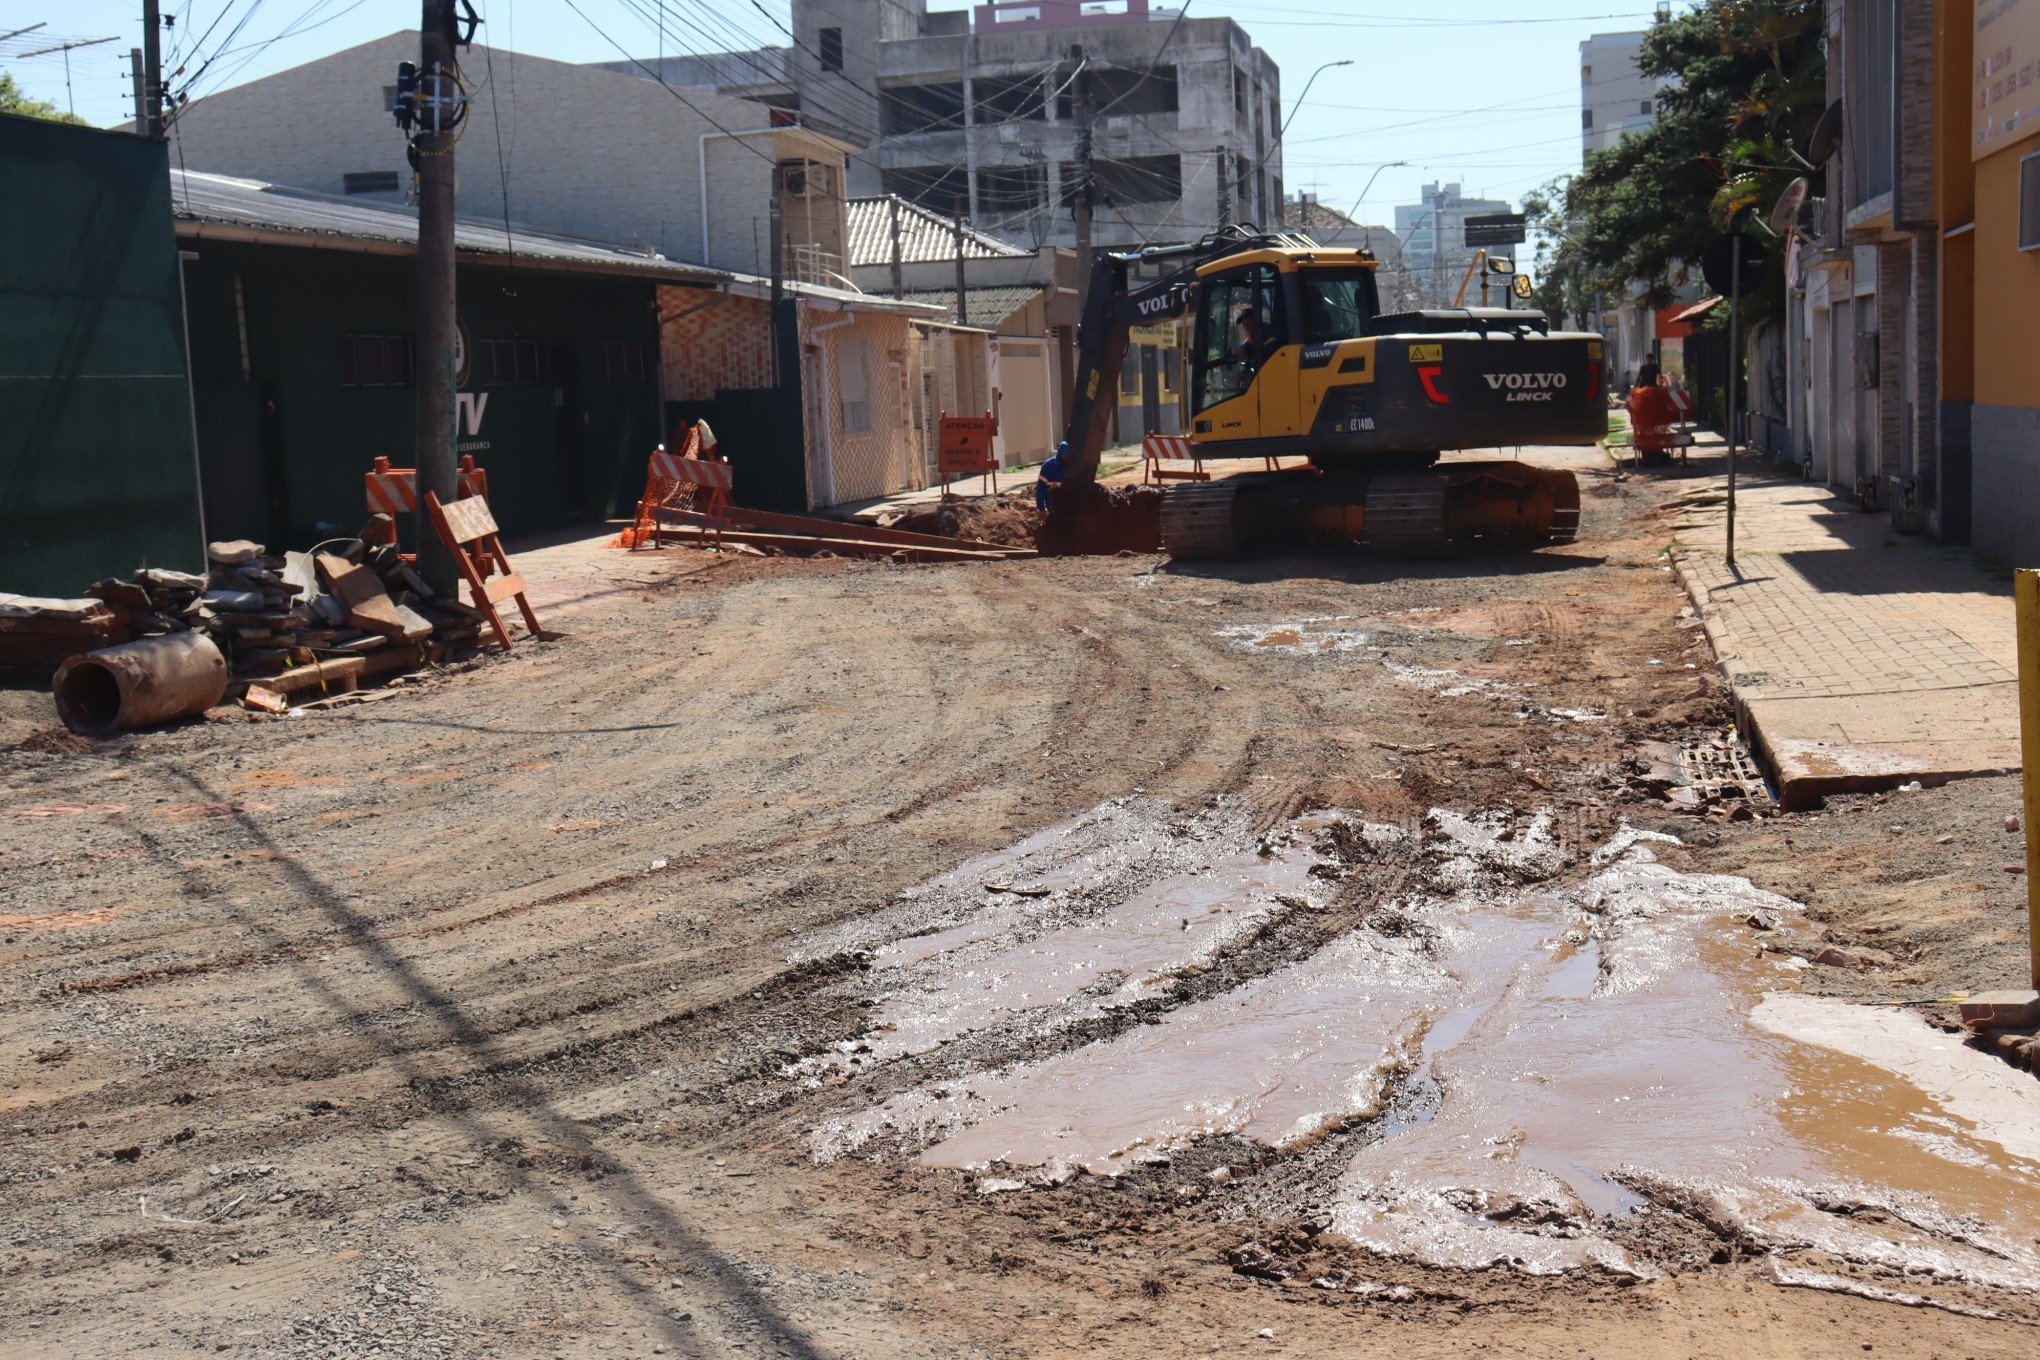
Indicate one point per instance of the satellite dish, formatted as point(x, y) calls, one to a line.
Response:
point(1785, 216)
point(1827, 136)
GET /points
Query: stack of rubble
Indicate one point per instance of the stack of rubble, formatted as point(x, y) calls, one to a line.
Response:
point(38, 634)
point(353, 610)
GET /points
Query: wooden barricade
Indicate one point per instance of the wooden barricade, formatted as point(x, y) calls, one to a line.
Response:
point(691, 487)
point(966, 449)
point(469, 532)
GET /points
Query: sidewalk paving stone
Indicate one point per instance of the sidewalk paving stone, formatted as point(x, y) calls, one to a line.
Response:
point(1860, 658)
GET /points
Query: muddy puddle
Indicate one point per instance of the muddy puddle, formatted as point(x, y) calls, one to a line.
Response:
point(1338, 635)
point(1534, 1057)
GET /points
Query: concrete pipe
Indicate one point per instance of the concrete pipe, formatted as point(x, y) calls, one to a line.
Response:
point(140, 684)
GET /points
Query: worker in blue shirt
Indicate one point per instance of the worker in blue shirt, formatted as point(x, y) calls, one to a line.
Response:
point(1051, 475)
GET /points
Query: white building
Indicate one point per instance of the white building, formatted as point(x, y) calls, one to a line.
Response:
point(1616, 97)
point(1433, 236)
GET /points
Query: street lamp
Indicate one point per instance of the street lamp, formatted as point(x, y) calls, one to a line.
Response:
point(1298, 105)
point(1294, 109)
point(1370, 184)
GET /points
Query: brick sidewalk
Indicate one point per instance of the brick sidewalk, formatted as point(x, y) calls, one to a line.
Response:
point(1859, 658)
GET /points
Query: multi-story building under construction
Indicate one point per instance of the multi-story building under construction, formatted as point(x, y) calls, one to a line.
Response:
point(977, 113)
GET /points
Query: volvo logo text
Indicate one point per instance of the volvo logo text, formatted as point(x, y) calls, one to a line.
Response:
point(1527, 386)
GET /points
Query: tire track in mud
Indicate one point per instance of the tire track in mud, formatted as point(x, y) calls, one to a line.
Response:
point(583, 1047)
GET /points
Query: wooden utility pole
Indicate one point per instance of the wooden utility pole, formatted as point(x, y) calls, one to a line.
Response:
point(149, 119)
point(776, 217)
point(1080, 202)
point(962, 310)
point(440, 108)
point(899, 286)
point(135, 69)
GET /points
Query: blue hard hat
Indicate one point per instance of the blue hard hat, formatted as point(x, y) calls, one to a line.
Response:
point(1063, 447)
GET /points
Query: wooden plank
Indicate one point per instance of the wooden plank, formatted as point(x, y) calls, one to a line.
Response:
point(852, 547)
point(343, 672)
point(503, 587)
point(841, 529)
point(468, 520)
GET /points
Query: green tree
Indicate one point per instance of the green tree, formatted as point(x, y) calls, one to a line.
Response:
point(12, 100)
point(1749, 79)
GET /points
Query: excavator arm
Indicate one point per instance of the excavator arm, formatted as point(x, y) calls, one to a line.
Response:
point(1111, 310)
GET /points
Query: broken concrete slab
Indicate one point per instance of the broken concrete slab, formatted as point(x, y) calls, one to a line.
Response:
point(377, 614)
point(233, 552)
point(2002, 1010)
point(47, 607)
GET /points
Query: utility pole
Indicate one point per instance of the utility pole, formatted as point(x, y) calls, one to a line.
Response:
point(149, 121)
point(141, 92)
point(899, 287)
point(432, 98)
point(962, 312)
point(1224, 189)
point(1080, 203)
point(1734, 376)
point(776, 216)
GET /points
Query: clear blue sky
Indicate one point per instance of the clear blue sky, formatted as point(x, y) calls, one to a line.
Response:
point(1485, 92)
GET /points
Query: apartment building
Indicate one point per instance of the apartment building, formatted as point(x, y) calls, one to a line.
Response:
point(1616, 97)
point(976, 112)
point(1433, 235)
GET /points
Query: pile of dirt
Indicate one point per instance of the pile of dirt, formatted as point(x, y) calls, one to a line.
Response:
point(1010, 521)
point(1093, 519)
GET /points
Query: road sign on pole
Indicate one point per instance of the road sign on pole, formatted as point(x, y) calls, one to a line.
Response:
point(1501, 229)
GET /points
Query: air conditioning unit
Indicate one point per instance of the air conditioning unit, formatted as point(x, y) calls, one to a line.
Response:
point(794, 182)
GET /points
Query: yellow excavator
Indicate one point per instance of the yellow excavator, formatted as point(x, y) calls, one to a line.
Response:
point(1288, 355)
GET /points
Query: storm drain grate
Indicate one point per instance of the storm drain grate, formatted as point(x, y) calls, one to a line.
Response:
point(1716, 772)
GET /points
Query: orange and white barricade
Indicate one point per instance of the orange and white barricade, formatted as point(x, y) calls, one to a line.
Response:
point(691, 487)
point(1157, 449)
point(394, 490)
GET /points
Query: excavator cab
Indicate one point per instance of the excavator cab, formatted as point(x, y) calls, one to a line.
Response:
point(1271, 330)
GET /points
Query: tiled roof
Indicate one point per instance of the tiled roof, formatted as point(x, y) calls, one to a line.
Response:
point(984, 308)
point(924, 236)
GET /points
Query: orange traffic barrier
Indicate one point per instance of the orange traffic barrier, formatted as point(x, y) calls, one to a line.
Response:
point(394, 490)
point(1157, 449)
point(691, 487)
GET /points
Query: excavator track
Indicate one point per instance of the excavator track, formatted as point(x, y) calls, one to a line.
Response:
point(1451, 508)
point(1472, 506)
point(1405, 514)
point(1199, 521)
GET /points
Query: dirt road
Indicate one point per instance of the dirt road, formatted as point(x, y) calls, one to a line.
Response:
point(622, 996)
